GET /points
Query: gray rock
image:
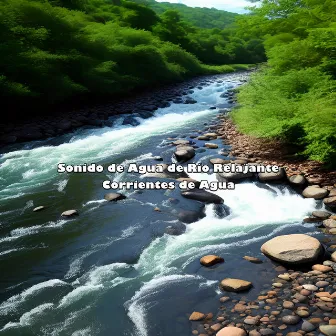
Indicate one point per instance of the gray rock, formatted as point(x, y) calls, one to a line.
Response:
point(307, 326)
point(291, 319)
point(321, 214)
point(315, 192)
point(202, 196)
point(272, 177)
point(69, 213)
point(114, 197)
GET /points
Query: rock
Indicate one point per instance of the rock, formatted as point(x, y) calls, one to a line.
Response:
point(202, 196)
point(330, 202)
point(190, 216)
point(321, 214)
point(184, 153)
point(329, 330)
point(211, 145)
point(322, 268)
point(252, 320)
point(288, 304)
point(293, 249)
point(211, 136)
point(294, 333)
point(307, 326)
point(272, 177)
point(254, 333)
point(181, 142)
point(291, 319)
point(231, 331)
point(266, 332)
point(196, 316)
point(203, 137)
point(39, 208)
point(235, 285)
point(333, 256)
point(174, 230)
point(329, 223)
point(190, 100)
point(129, 120)
point(298, 180)
point(216, 327)
point(315, 192)
point(311, 288)
point(114, 197)
point(69, 213)
point(322, 284)
point(253, 260)
point(166, 174)
point(303, 313)
point(210, 260)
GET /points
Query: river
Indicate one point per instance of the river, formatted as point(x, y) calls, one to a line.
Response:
point(112, 270)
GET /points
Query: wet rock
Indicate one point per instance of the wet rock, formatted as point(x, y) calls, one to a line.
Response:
point(69, 213)
point(129, 120)
point(272, 177)
point(166, 173)
point(291, 319)
point(254, 333)
point(235, 285)
point(174, 230)
point(190, 100)
point(190, 216)
point(231, 331)
point(211, 145)
point(196, 316)
point(181, 142)
point(322, 268)
point(210, 260)
point(219, 161)
point(329, 223)
point(321, 214)
point(315, 192)
point(333, 256)
point(202, 196)
point(211, 136)
point(253, 260)
point(330, 202)
point(288, 304)
point(311, 288)
point(39, 208)
point(113, 197)
point(307, 326)
point(252, 320)
point(293, 249)
point(184, 153)
point(329, 330)
point(266, 332)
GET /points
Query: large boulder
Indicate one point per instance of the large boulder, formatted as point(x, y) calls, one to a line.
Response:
point(272, 177)
point(293, 249)
point(315, 192)
point(202, 196)
point(235, 285)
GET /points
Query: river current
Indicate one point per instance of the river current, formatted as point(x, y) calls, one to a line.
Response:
point(113, 270)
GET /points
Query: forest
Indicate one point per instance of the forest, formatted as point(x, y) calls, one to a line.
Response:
point(57, 50)
point(293, 97)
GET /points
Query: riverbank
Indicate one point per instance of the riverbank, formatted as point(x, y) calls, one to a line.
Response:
point(297, 299)
point(137, 104)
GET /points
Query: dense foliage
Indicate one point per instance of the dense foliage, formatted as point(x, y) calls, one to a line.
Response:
point(55, 50)
point(198, 17)
point(294, 96)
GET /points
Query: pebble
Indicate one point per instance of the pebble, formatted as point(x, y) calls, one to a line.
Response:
point(69, 213)
point(329, 330)
point(291, 319)
point(322, 268)
point(288, 304)
point(266, 331)
point(311, 288)
point(307, 326)
point(322, 284)
point(303, 313)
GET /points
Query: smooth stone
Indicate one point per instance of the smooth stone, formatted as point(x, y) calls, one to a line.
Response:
point(298, 180)
point(333, 256)
point(202, 196)
point(271, 177)
point(235, 285)
point(196, 316)
point(291, 319)
point(39, 208)
point(310, 287)
point(69, 213)
point(322, 268)
point(211, 145)
point(315, 192)
point(231, 331)
point(266, 332)
point(307, 326)
point(113, 197)
point(329, 330)
point(210, 260)
point(288, 304)
point(253, 260)
point(321, 214)
point(329, 223)
point(330, 202)
point(293, 249)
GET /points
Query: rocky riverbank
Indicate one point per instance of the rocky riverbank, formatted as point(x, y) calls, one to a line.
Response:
point(301, 300)
point(141, 104)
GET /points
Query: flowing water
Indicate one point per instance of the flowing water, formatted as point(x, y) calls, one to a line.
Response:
point(112, 270)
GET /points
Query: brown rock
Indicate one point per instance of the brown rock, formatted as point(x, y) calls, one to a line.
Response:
point(211, 260)
point(235, 285)
point(231, 331)
point(114, 197)
point(322, 268)
point(330, 202)
point(69, 213)
point(253, 260)
point(196, 316)
point(293, 249)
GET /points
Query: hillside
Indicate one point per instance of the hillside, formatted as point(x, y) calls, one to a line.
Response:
point(199, 17)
